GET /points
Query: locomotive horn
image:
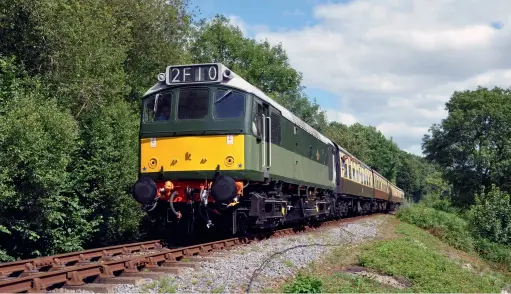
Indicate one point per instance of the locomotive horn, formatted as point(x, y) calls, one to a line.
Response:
point(228, 74)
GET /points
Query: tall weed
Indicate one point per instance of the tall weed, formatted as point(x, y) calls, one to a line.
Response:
point(461, 233)
point(490, 217)
point(447, 226)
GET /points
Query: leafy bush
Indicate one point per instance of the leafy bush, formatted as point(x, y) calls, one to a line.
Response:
point(434, 200)
point(447, 226)
point(494, 252)
point(490, 217)
point(37, 206)
point(417, 257)
point(106, 170)
point(460, 233)
point(304, 284)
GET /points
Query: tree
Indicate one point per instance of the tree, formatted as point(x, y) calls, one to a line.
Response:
point(37, 142)
point(105, 170)
point(91, 57)
point(490, 217)
point(260, 64)
point(82, 49)
point(299, 104)
point(158, 33)
point(410, 176)
point(473, 143)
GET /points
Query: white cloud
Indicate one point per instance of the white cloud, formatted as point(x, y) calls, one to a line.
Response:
point(342, 117)
point(414, 149)
point(394, 63)
point(238, 22)
point(401, 129)
point(247, 29)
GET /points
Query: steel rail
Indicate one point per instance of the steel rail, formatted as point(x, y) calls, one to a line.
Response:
point(34, 280)
point(10, 269)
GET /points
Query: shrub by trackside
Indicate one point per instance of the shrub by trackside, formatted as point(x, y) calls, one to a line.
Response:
point(447, 226)
point(461, 233)
point(304, 284)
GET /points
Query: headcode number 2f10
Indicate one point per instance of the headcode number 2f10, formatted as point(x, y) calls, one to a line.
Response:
point(192, 74)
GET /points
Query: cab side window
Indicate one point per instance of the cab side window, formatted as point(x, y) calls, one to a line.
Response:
point(158, 108)
point(257, 119)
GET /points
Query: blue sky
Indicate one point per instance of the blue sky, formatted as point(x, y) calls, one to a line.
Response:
point(275, 15)
point(391, 64)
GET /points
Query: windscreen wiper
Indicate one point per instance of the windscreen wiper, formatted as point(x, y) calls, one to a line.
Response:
point(223, 97)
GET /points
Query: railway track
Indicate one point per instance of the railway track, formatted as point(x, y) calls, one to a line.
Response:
point(118, 264)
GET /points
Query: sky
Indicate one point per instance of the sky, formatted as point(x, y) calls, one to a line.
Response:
point(392, 64)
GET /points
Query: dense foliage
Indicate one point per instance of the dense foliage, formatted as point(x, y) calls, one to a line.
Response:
point(473, 144)
point(473, 148)
point(68, 149)
point(469, 231)
point(491, 216)
point(71, 79)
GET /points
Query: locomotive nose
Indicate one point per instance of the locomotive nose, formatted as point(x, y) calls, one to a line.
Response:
point(223, 189)
point(144, 191)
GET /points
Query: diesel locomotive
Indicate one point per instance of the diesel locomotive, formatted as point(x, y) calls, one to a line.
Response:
point(217, 154)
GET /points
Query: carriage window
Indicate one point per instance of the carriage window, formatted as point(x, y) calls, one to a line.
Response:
point(229, 104)
point(193, 103)
point(158, 108)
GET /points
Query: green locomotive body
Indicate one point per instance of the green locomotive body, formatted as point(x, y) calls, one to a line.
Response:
point(214, 149)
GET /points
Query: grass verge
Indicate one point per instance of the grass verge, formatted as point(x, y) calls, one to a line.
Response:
point(455, 231)
point(408, 259)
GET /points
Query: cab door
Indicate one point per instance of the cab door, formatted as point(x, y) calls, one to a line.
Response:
point(263, 125)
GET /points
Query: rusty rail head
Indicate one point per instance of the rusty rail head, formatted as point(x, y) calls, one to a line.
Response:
point(74, 275)
point(34, 280)
point(20, 267)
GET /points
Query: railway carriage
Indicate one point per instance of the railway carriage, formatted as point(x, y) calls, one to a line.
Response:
point(217, 153)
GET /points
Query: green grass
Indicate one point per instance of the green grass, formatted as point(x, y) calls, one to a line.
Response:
point(288, 263)
point(164, 285)
point(417, 259)
point(455, 231)
point(449, 227)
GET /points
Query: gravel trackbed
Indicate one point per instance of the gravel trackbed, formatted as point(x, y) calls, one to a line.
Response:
point(259, 264)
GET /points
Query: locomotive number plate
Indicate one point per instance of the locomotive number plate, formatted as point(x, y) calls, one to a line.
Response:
point(192, 74)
